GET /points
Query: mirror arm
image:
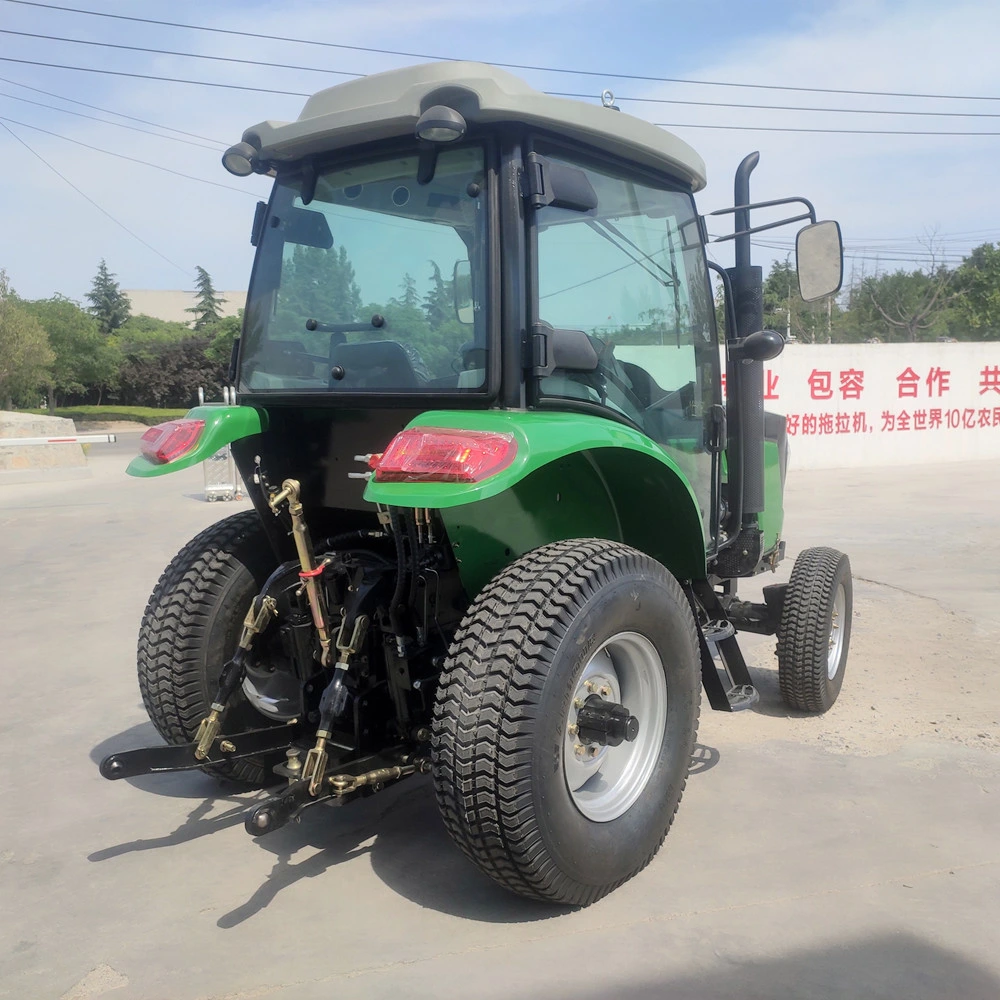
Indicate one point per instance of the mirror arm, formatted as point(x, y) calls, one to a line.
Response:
point(770, 225)
point(795, 200)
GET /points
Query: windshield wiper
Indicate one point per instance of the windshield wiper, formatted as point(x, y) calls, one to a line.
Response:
point(377, 321)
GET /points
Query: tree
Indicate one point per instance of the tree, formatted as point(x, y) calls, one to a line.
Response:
point(977, 288)
point(108, 303)
point(317, 284)
point(169, 374)
point(25, 355)
point(208, 309)
point(85, 360)
point(909, 303)
point(439, 302)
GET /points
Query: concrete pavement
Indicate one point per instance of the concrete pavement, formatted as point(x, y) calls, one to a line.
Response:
point(865, 866)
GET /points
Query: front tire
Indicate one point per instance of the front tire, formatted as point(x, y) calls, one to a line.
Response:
point(522, 804)
point(815, 632)
point(192, 625)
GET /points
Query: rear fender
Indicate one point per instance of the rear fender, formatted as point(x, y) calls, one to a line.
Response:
point(574, 476)
point(223, 425)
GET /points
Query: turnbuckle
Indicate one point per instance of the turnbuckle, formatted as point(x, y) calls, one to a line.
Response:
point(257, 619)
point(332, 702)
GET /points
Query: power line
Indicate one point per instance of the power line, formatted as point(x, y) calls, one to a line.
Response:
point(186, 55)
point(108, 111)
point(131, 159)
point(829, 131)
point(553, 93)
point(104, 121)
point(148, 76)
point(787, 107)
point(505, 65)
point(91, 200)
point(297, 93)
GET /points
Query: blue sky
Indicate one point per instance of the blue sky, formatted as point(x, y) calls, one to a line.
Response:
point(894, 195)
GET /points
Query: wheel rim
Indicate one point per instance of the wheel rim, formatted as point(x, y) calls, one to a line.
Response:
point(837, 623)
point(605, 781)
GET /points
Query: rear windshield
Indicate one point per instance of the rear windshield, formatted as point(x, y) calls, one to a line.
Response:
point(372, 279)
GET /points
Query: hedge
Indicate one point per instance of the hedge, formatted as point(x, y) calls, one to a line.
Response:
point(138, 414)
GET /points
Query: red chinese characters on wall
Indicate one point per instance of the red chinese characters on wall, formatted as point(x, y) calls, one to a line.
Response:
point(852, 384)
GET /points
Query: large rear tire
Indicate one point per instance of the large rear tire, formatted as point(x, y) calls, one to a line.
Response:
point(561, 623)
point(192, 625)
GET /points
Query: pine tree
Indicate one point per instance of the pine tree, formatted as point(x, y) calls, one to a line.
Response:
point(208, 309)
point(108, 302)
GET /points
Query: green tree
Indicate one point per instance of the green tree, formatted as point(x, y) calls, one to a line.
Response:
point(85, 360)
point(223, 334)
point(439, 302)
point(905, 305)
point(25, 355)
point(208, 308)
point(108, 303)
point(317, 284)
point(977, 292)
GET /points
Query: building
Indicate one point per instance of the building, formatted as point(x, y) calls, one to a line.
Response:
point(172, 304)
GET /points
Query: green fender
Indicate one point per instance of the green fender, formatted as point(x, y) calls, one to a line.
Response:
point(574, 476)
point(223, 425)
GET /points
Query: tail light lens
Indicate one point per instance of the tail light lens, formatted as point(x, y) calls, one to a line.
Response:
point(444, 455)
point(168, 441)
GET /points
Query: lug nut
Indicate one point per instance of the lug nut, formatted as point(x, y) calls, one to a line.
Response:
point(573, 729)
point(605, 691)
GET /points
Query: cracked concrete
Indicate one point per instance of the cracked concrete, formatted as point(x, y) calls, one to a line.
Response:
point(844, 856)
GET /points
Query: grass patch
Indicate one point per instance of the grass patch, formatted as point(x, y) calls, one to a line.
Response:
point(139, 414)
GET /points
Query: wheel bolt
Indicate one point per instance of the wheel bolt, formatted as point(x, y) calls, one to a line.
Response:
point(593, 750)
point(573, 729)
point(605, 691)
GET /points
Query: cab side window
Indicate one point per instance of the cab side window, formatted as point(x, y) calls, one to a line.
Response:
point(631, 274)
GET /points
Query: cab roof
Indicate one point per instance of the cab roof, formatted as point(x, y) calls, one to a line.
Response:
point(387, 105)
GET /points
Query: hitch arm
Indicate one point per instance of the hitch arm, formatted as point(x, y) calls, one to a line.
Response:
point(158, 760)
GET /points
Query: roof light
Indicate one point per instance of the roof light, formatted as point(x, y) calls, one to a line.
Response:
point(169, 441)
point(240, 159)
point(444, 455)
point(440, 124)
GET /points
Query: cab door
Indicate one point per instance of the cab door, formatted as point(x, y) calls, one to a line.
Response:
point(630, 272)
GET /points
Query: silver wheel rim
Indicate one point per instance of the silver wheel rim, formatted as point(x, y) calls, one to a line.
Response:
point(604, 781)
point(837, 622)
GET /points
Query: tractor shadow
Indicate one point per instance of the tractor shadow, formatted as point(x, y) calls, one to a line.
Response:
point(201, 821)
point(399, 830)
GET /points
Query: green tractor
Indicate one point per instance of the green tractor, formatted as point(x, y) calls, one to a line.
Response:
point(500, 506)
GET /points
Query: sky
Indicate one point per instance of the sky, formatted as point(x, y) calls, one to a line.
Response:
point(902, 199)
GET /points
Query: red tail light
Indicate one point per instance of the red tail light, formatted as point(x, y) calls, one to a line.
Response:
point(443, 455)
point(168, 441)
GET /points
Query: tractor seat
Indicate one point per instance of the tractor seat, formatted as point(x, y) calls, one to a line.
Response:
point(379, 364)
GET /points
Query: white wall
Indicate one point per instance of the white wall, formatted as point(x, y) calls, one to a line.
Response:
point(912, 403)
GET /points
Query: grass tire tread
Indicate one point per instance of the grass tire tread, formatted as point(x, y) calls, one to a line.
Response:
point(489, 690)
point(802, 650)
point(175, 626)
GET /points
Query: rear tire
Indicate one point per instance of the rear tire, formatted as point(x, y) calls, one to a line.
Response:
point(507, 782)
point(815, 632)
point(192, 625)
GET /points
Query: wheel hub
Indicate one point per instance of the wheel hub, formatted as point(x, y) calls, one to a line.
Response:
point(605, 722)
point(609, 753)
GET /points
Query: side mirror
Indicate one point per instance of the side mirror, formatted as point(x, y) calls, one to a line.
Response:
point(819, 260)
point(461, 283)
point(764, 345)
